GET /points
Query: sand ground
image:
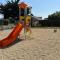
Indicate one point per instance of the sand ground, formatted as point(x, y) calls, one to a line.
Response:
point(44, 44)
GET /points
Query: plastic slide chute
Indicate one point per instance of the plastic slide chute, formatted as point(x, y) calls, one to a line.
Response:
point(12, 36)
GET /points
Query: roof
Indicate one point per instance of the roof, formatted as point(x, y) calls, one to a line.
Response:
point(37, 18)
point(23, 5)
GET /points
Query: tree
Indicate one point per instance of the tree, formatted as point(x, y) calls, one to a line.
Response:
point(11, 9)
point(13, 1)
point(1, 8)
point(54, 19)
point(54, 16)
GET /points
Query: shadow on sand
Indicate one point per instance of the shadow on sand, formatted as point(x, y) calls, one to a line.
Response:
point(15, 42)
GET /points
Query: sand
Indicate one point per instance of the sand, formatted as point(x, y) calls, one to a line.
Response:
point(43, 44)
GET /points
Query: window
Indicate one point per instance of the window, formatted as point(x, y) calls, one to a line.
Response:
point(22, 12)
point(28, 10)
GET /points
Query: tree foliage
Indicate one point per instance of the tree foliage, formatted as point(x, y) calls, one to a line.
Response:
point(54, 16)
point(10, 9)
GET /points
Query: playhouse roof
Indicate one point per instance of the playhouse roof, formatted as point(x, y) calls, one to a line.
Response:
point(23, 5)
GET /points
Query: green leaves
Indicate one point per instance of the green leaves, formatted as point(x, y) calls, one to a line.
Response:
point(54, 16)
point(13, 1)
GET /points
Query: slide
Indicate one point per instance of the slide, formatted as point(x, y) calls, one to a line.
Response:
point(12, 36)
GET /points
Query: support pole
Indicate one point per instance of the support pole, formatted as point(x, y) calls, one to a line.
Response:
point(25, 13)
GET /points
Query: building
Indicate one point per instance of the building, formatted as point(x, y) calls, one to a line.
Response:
point(35, 21)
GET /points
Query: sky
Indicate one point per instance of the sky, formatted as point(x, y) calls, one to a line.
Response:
point(42, 7)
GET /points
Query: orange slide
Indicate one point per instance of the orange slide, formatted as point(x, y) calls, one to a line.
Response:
point(12, 36)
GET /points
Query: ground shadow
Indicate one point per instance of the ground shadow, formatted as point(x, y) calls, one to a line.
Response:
point(15, 42)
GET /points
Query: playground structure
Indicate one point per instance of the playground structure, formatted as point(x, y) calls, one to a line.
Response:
point(25, 18)
point(24, 22)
